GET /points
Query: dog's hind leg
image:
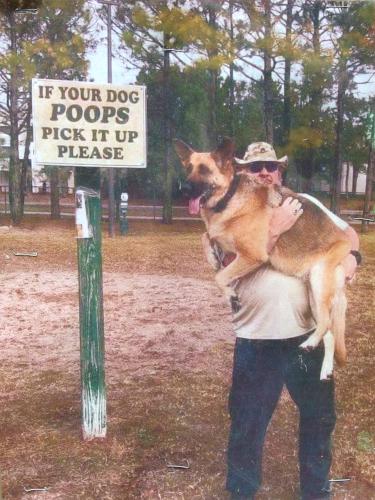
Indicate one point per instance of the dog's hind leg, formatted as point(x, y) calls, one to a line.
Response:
point(326, 371)
point(329, 349)
point(321, 291)
point(334, 338)
point(323, 284)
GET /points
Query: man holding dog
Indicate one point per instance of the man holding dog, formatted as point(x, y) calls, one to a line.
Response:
point(273, 320)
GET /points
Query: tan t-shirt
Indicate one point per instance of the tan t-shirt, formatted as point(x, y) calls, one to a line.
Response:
point(273, 306)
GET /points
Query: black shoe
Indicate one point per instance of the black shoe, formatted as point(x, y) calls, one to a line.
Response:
point(324, 494)
point(238, 496)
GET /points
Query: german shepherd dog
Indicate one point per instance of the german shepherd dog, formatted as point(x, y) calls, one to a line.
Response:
point(237, 210)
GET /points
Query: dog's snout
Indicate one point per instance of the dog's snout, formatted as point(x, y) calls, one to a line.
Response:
point(186, 188)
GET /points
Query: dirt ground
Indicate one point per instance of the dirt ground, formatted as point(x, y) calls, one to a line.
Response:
point(168, 368)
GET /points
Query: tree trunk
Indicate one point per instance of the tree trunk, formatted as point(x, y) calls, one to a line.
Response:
point(316, 83)
point(337, 169)
point(212, 87)
point(25, 161)
point(316, 93)
point(267, 72)
point(168, 165)
point(355, 179)
point(287, 72)
point(55, 193)
point(347, 169)
point(306, 184)
point(368, 192)
point(231, 74)
point(15, 169)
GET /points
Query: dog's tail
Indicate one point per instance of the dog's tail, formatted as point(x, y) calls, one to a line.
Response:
point(338, 312)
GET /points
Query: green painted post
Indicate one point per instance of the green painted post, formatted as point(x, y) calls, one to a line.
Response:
point(93, 393)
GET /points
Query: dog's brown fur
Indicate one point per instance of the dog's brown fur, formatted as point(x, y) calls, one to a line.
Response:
point(312, 249)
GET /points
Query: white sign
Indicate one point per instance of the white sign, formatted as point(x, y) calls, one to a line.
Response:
point(83, 124)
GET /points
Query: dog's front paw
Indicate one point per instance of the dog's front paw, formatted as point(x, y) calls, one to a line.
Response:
point(235, 303)
point(211, 252)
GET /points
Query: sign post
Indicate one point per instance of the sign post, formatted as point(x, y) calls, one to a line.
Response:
point(91, 322)
point(82, 124)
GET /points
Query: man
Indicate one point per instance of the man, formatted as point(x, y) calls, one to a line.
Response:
point(273, 321)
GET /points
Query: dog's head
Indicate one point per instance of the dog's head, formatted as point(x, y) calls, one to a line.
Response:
point(208, 174)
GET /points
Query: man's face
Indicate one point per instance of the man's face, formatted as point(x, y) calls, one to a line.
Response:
point(265, 172)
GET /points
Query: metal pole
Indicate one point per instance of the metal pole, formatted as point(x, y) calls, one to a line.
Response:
point(111, 172)
point(167, 132)
point(231, 72)
point(91, 319)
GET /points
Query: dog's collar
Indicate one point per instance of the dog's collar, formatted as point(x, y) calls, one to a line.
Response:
point(223, 202)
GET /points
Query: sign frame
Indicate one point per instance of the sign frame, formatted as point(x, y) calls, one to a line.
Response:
point(39, 160)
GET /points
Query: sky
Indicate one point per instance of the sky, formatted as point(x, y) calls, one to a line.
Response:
point(99, 65)
point(98, 70)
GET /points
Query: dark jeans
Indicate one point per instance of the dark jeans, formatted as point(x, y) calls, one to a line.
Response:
point(260, 369)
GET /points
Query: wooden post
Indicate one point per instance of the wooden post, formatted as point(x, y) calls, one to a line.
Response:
point(93, 393)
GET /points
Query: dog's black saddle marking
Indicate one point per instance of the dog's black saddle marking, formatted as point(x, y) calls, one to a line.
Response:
point(223, 202)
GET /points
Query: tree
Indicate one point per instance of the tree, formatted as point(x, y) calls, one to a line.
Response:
point(308, 137)
point(287, 111)
point(153, 31)
point(48, 45)
point(354, 54)
point(354, 136)
point(62, 38)
point(14, 71)
point(286, 50)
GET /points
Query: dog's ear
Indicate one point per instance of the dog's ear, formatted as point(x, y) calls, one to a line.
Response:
point(183, 151)
point(225, 149)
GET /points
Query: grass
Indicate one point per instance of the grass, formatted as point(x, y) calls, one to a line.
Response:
point(171, 417)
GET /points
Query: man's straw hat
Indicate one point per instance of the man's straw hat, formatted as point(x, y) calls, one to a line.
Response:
point(261, 151)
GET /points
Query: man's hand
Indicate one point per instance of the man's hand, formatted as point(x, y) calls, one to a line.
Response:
point(282, 219)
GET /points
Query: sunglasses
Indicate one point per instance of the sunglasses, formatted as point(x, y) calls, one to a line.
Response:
point(257, 166)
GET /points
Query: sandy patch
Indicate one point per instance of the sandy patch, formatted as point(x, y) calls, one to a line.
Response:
point(151, 322)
